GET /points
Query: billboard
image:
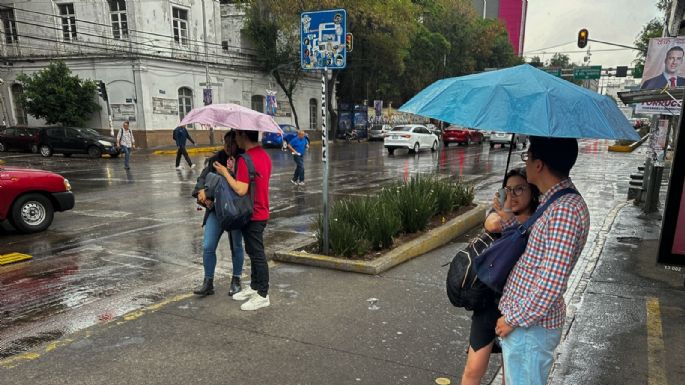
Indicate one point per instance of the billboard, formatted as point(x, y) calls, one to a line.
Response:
point(663, 69)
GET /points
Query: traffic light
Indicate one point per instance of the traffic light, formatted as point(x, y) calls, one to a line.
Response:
point(582, 38)
point(621, 71)
point(349, 39)
point(102, 90)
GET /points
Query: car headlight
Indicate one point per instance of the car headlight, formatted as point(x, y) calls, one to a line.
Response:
point(67, 185)
point(105, 143)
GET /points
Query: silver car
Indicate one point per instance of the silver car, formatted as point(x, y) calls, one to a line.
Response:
point(378, 131)
point(504, 138)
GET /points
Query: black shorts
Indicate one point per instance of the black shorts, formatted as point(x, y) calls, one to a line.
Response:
point(483, 324)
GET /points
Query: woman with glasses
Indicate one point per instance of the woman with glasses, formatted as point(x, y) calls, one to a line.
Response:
point(521, 201)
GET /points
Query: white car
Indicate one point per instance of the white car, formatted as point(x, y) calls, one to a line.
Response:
point(378, 131)
point(503, 138)
point(413, 137)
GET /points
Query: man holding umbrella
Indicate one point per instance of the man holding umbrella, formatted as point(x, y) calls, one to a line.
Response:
point(532, 304)
point(257, 295)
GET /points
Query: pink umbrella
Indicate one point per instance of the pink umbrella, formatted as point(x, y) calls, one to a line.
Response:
point(232, 116)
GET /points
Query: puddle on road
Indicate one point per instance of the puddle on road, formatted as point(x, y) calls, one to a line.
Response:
point(25, 344)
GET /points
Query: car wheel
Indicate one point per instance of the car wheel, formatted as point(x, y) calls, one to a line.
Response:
point(2, 147)
point(446, 143)
point(45, 150)
point(435, 146)
point(67, 155)
point(391, 151)
point(415, 149)
point(32, 213)
point(34, 148)
point(94, 152)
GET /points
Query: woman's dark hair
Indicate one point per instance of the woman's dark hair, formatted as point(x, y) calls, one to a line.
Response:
point(534, 191)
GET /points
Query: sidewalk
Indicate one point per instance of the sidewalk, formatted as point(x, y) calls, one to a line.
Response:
point(324, 327)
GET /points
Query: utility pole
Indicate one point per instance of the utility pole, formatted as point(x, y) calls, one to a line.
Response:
point(207, 96)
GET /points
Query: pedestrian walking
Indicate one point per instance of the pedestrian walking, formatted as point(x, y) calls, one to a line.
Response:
point(521, 200)
point(532, 303)
point(212, 229)
point(126, 142)
point(257, 295)
point(298, 145)
point(180, 135)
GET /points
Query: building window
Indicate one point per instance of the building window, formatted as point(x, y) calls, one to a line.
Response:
point(258, 103)
point(224, 46)
point(185, 101)
point(313, 114)
point(117, 12)
point(9, 24)
point(19, 111)
point(66, 12)
point(180, 25)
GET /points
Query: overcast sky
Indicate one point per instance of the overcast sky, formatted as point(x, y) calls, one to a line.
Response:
point(553, 23)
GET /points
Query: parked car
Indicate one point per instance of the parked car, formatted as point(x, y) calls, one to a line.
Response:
point(75, 140)
point(21, 138)
point(434, 130)
point(503, 138)
point(272, 139)
point(410, 136)
point(457, 134)
point(30, 197)
point(378, 131)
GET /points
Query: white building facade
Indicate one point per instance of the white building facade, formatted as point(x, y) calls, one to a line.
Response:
point(155, 58)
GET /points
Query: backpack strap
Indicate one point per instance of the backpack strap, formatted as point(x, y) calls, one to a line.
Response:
point(531, 220)
point(250, 171)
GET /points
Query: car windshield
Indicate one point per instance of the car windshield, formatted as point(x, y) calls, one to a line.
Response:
point(88, 131)
point(402, 128)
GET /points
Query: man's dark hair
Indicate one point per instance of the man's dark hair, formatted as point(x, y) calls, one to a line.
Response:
point(675, 48)
point(252, 135)
point(559, 154)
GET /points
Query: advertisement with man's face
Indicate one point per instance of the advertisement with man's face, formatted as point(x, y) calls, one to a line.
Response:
point(663, 69)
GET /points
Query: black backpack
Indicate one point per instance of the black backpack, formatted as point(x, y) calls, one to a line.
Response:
point(464, 289)
point(232, 210)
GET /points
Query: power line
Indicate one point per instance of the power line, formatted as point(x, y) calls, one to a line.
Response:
point(107, 26)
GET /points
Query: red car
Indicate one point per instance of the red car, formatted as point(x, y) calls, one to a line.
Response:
point(456, 134)
point(29, 198)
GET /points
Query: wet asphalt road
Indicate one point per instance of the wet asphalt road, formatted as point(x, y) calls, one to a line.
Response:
point(135, 236)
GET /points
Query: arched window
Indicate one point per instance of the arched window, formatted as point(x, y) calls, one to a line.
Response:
point(19, 112)
point(313, 114)
point(185, 101)
point(258, 103)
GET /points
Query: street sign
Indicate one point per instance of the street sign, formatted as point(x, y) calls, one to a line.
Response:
point(586, 73)
point(556, 71)
point(322, 39)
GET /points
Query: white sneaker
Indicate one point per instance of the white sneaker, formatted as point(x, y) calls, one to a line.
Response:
point(244, 294)
point(179, 168)
point(294, 182)
point(300, 183)
point(256, 302)
point(192, 165)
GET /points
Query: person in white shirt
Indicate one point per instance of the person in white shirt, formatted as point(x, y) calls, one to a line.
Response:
point(126, 142)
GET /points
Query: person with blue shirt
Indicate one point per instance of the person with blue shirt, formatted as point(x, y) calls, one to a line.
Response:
point(298, 146)
point(181, 134)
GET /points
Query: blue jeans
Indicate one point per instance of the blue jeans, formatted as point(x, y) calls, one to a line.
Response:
point(299, 168)
point(212, 234)
point(528, 355)
point(127, 155)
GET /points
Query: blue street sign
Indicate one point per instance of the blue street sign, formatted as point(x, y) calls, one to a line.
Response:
point(322, 39)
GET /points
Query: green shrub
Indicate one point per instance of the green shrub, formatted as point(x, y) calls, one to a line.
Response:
point(360, 224)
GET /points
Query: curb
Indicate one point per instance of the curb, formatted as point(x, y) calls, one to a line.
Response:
point(430, 240)
point(194, 150)
point(629, 148)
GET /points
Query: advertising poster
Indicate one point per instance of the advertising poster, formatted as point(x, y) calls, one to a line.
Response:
point(679, 236)
point(663, 69)
point(672, 237)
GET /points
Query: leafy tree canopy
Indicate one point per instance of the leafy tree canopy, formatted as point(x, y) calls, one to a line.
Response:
point(58, 97)
point(652, 29)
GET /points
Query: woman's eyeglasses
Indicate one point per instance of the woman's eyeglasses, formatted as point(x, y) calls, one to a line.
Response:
point(516, 190)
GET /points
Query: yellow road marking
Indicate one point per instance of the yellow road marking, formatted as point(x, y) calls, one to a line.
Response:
point(656, 357)
point(6, 259)
point(11, 362)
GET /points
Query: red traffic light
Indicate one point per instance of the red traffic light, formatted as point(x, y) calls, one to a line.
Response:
point(582, 38)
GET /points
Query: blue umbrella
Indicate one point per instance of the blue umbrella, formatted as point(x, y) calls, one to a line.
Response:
point(523, 100)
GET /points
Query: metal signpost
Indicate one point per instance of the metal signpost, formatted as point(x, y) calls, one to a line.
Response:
point(323, 47)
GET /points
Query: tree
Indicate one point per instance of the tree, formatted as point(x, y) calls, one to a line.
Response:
point(652, 29)
point(535, 61)
point(560, 60)
point(56, 96)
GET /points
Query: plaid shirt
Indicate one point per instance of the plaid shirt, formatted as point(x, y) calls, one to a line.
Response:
point(533, 294)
